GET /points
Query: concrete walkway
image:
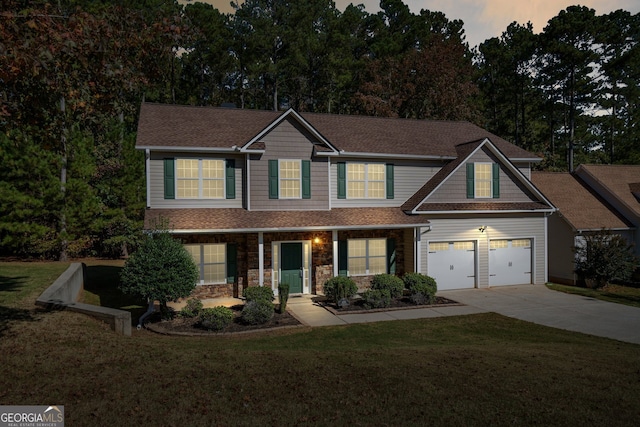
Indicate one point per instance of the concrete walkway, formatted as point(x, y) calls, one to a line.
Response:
point(532, 303)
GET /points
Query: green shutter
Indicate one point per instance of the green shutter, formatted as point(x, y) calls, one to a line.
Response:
point(390, 194)
point(273, 179)
point(306, 179)
point(230, 170)
point(343, 258)
point(169, 179)
point(232, 262)
point(470, 181)
point(496, 181)
point(391, 256)
point(342, 180)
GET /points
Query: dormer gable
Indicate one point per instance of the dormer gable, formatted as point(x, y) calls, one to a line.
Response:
point(257, 144)
point(480, 179)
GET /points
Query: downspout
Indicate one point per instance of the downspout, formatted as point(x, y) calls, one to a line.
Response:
point(150, 311)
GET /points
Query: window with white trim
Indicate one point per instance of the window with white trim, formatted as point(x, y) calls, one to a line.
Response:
point(290, 179)
point(366, 181)
point(211, 262)
point(367, 256)
point(483, 180)
point(200, 178)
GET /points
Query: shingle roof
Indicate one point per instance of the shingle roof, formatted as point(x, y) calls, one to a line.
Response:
point(163, 125)
point(238, 219)
point(483, 206)
point(617, 179)
point(577, 203)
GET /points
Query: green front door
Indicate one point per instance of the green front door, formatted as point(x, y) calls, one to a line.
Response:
point(291, 266)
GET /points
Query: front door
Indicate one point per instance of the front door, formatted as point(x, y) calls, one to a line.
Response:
point(291, 266)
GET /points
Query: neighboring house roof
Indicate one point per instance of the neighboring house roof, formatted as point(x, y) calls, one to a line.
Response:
point(580, 206)
point(238, 219)
point(619, 180)
point(165, 126)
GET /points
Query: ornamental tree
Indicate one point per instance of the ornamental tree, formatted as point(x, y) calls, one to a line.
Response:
point(160, 270)
point(604, 257)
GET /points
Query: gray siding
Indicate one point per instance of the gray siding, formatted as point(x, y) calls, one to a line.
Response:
point(454, 188)
point(497, 228)
point(561, 241)
point(288, 141)
point(156, 184)
point(409, 177)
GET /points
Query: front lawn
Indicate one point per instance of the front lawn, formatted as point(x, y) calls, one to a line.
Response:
point(468, 370)
point(611, 293)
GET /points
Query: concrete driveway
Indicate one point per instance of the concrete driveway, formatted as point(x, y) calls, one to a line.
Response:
point(538, 304)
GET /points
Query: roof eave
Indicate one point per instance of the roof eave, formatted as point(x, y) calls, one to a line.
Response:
point(509, 211)
point(395, 156)
point(232, 149)
point(281, 229)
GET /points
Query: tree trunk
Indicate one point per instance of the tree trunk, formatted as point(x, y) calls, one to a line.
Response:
point(63, 184)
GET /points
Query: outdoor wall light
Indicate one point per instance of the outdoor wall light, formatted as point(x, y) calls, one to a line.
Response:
point(317, 240)
point(482, 228)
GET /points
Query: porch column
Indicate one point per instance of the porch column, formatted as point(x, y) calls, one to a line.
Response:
point(334, 237)
point(261, 258)
point(417, 249)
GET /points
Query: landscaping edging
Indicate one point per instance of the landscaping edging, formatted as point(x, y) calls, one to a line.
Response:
point(154, 327)
point(339, 312)
point(63, 294)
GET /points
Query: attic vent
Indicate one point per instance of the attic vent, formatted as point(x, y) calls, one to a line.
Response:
point(635, 190)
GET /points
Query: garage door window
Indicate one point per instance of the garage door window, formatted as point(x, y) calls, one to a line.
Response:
point(521, 243)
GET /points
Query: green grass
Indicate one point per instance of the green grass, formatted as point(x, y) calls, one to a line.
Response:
point(611, 293)
point(469, 370)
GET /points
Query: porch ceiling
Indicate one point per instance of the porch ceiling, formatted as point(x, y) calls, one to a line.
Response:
point(241, 220)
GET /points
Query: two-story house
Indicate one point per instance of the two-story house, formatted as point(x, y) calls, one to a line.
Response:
point(263, 197)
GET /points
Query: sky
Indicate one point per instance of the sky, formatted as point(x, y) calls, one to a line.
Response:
point(484, 19)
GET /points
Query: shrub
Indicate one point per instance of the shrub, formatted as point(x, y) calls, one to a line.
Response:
point(215, 319)
point(339, 287)
point(423, 288)
point(161, 270)
point(257, 312)
point(376, 298)
point(283, 295)
point(604, 257)
point(192, 308)
point(258, 293)
point(390, 282)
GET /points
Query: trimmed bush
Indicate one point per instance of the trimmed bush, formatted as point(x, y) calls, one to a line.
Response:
point(339, 287)
point(376, 298)
point(423, 288)
point(160, 270)
point(257, 312)
point(389, 282)
point(283, 295)
point(215, 319)
point(192, 308)
point(258, 293)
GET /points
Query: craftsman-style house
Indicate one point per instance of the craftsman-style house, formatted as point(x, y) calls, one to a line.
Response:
point(263, 197)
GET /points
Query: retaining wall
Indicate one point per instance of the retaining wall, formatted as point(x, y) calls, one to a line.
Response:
point(64, 293)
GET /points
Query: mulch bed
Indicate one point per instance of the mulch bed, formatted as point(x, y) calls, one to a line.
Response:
point(357, 305)
point(189, 326)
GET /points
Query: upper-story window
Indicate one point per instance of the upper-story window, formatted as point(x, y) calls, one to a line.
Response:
point(200, 179)
point(289, 179)
point(365, 181)
point(483, 180)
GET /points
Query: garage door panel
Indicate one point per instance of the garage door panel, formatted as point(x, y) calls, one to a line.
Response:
point(452, 264)
point(509, 262)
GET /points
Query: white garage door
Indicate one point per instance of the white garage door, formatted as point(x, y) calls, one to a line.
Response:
point(452, 264)
point(509, 262)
